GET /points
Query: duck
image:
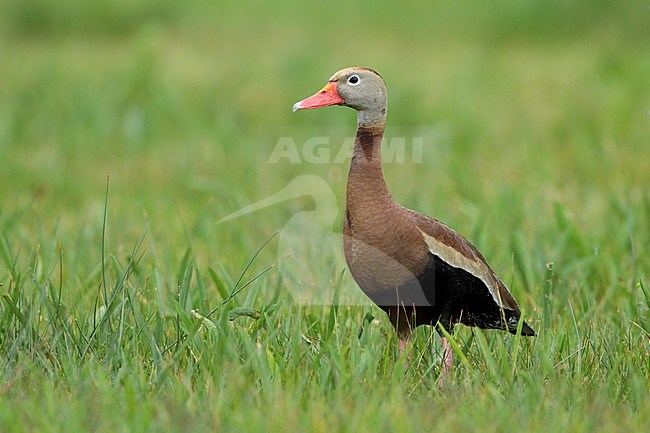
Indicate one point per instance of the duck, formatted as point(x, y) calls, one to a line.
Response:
point(418, 270)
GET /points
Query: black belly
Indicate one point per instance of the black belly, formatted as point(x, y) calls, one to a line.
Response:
point(452, 295)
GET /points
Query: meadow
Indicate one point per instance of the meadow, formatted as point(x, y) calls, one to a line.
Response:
point(129, 129)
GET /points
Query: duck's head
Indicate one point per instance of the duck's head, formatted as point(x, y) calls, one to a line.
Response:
point(357, 87)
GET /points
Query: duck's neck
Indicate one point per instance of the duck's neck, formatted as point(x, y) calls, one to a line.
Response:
point(366, 187)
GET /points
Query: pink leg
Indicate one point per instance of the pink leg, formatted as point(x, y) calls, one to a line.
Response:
point(447, 360)
point(449, 355)
point(402, 345)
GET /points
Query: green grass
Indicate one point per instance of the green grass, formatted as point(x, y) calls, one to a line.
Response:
point(128, 130)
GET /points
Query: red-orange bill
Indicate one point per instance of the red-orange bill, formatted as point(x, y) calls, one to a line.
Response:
point(328, 95)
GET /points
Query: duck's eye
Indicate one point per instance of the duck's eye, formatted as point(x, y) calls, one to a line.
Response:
point(353, 80)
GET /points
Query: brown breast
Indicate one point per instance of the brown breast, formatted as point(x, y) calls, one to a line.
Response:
point(383, 247)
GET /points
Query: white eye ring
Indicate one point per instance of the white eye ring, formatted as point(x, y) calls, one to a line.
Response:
point(354, 80)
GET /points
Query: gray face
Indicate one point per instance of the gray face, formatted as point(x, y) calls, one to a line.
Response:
point(361, 89)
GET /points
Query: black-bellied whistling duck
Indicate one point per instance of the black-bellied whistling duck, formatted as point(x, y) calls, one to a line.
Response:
point(415, 268)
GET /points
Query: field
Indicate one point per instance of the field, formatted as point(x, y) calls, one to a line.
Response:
point(128, 130)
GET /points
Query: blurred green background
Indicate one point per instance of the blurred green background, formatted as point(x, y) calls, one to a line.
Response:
point(181, 104)
point(537, 149)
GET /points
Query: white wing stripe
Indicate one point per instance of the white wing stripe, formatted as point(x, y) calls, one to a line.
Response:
point(457, 260)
